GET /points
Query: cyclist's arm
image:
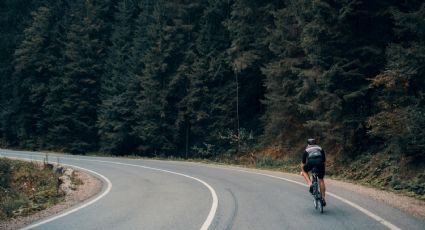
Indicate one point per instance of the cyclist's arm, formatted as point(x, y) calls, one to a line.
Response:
point(324, 155)
point(303, 161)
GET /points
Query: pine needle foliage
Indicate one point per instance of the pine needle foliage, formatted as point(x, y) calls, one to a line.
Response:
point(193, 78)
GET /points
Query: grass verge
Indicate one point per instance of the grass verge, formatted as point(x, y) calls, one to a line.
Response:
point(27, 187)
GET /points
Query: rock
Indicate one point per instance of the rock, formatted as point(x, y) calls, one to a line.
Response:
point(68, 172)
point(58, 169)
point(64, 181)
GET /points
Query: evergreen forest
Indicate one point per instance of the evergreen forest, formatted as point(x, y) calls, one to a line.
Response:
point(213, 78)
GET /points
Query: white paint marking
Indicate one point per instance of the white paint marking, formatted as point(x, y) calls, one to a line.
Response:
point(352, 204)
point(214, 205)
point(107, 190)
point(204, 226)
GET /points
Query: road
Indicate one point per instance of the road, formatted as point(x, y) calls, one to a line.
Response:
point(149, 194)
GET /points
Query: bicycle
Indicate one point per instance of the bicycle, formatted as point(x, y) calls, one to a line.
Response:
point(318, 201)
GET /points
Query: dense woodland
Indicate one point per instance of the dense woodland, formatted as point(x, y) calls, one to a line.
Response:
point(207, 77)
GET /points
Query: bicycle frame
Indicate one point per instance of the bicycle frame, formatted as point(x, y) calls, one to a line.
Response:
point(318, 202)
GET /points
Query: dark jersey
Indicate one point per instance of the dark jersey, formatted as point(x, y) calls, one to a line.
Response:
point(313, 151)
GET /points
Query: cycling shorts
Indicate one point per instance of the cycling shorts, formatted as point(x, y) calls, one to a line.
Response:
point(320, 169)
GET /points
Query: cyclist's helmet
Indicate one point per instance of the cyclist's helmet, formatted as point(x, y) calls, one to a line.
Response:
point(311, 141)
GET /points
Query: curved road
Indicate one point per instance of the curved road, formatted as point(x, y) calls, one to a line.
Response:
point(148, 194)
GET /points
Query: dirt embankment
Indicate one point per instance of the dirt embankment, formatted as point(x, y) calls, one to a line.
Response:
point(87, 188)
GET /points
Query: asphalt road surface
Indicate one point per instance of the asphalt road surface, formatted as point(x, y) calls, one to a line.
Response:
point(148, 194)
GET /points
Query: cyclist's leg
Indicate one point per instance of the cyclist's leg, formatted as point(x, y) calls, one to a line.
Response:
point(321, 175)
point(322, 188)
point(304, 172)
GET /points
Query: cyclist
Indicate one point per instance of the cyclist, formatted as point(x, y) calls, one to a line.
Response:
point(314, 156)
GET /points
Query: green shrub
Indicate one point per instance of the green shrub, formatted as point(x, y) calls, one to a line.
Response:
point(5, 173)
point(11, 205)
point(268, 162)
point(26, 187)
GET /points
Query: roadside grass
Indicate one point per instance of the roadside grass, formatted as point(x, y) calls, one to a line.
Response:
point(26, 187)
point(385, 171)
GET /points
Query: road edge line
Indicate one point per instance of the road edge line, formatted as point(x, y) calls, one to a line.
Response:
point(207, 223)
point(350, 203)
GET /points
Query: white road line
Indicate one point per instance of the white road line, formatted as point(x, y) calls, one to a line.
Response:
point(207, 223)
point(352, 204)
point(107, 190)
point(214, 205)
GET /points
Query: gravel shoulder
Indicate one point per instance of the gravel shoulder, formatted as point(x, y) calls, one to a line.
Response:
point(90, 186)
point(402, 202)
point(405, 203)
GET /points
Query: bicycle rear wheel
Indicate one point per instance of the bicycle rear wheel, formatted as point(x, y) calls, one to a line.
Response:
point(320, 205)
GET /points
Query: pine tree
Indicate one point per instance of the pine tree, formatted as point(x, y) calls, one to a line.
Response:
point(73, 97)
point(282, 119)
point(34, 66)
point(318, 83)
point(207, 108)
point(183, 55)
point(321, 41)
point(152, 126)
point(400, 97)
point(14, 16)
point(141, 42)
point(348, 77)
point(116, 118)
point(246, 26)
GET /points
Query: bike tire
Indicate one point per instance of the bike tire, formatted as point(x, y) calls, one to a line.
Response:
point(320, 204)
